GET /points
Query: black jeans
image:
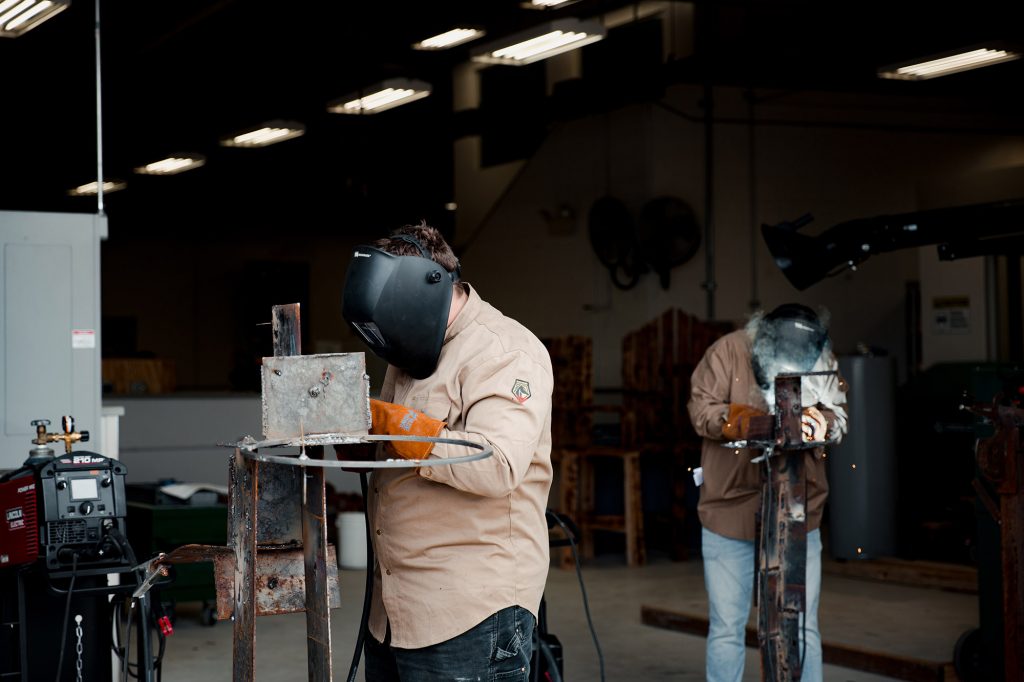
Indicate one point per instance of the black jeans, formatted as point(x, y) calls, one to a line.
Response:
point(498, 649)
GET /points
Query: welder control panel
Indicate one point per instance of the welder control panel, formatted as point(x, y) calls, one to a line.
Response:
point(83, 498)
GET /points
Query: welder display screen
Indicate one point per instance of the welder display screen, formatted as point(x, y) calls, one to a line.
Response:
point(84, 489)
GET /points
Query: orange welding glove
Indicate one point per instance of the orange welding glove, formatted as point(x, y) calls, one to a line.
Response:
point(399, 420)
point(737, 422)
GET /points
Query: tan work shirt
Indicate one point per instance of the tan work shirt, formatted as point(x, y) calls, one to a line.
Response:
point(731, 494)
point(457, 543)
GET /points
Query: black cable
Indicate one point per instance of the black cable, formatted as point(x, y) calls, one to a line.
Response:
point(67, 614)
point(128, 644)
point(552, 669)
point(583, 590)
point(368, 594)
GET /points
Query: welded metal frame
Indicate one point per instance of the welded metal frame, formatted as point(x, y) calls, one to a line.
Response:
point(781, 544)
point(265, 539)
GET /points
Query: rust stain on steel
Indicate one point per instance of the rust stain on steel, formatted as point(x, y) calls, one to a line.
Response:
point(315, 560)
point(280, 495)
point(782, 551)
point(280, 582)
point(286, 325)
point(244, 477)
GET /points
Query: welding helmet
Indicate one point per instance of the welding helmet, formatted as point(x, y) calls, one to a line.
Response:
point(788, 339)
point(399, 306)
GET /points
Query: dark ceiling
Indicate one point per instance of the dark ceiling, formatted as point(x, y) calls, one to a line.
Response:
point(178, 75)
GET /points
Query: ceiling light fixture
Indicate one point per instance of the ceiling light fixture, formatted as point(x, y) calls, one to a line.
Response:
point(89, 188)
point(380, 97)
point(172, 165)
point(269, 133)
point(19, 16)
point(456, 36)
point(546, 4)
point(541, 42)
point(947, 63)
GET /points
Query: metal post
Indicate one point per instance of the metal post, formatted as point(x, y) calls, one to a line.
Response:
point(99, 118)
point(244, 492)
point(782, 555)
point(288, 341)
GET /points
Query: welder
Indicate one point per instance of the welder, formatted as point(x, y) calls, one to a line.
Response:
point(731, 385)
point(461, 551)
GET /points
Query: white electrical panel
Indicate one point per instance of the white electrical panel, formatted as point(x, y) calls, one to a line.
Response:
point(49, 327)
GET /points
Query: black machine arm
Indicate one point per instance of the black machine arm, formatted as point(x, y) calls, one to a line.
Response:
point(960, 232)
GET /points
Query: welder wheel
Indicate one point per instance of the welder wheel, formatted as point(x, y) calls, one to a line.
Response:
point(967, 656)
point(208, 616)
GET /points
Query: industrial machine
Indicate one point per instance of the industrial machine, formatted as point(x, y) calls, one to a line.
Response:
point(63, 510)
point(62, 534)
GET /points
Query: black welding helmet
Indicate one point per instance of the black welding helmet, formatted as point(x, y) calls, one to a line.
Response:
point(788, 339)
point(399, 306)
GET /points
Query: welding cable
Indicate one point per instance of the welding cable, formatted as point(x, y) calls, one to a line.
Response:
point(67, 614)
point(368, 594)
point(583, 590)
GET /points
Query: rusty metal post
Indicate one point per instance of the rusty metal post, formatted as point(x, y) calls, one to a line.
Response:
point(243, 520)
point(782, 552)
point(314, 544)
point(288, 341)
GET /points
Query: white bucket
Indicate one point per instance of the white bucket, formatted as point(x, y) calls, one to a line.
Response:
point(352, 540)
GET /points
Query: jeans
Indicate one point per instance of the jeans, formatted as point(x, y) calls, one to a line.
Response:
point(496, 650)
point(729, 578)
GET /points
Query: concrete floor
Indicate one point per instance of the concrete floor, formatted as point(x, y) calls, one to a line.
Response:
point(923, 623)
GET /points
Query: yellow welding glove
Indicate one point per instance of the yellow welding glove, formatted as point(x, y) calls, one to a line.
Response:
point(737, 422)
point(398, 420)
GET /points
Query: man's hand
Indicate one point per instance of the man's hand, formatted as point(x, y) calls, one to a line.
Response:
point(399, 420)
point(813, 424)
point(737, 422)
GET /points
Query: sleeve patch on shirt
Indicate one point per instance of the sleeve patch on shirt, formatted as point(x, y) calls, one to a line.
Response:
point(521, 390)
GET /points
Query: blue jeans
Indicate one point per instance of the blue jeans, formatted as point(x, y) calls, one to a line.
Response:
point(729, 578)
point(496, 650)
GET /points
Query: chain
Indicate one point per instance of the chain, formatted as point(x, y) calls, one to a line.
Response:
point(78, 648)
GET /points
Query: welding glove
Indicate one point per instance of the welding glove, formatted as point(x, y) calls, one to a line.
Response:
point(813, 424)
point(398, 420)
point(737, 422)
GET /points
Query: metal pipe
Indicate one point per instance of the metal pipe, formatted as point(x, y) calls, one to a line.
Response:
point(709, 200)
point(99, 119)
point(705, 31)
point(755, 298)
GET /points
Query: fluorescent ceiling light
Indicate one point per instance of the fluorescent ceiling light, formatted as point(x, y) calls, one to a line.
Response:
point(946, 64)
point(545, 4)
point(380, 97)
point(89, 188)
point(541, 42)
point(19, 16)
point(269, 133)
point(443, 41)
point(172, 165)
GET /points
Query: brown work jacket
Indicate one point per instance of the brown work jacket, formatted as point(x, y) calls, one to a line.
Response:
point(730, 496)
point(457, 543)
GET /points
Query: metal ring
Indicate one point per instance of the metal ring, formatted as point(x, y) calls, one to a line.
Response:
point(249, 450)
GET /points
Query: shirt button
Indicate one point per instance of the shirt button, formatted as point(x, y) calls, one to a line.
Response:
point(427, 473)
point(376, 490)
point(387, 571)
point(380, 532)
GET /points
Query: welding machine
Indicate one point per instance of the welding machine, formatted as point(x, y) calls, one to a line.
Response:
point(62, 530)
point(63, 509)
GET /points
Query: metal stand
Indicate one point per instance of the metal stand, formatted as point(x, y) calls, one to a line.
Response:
point(782, 531)
point(1001, 463)
point(278, 560)
point(782, 546)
